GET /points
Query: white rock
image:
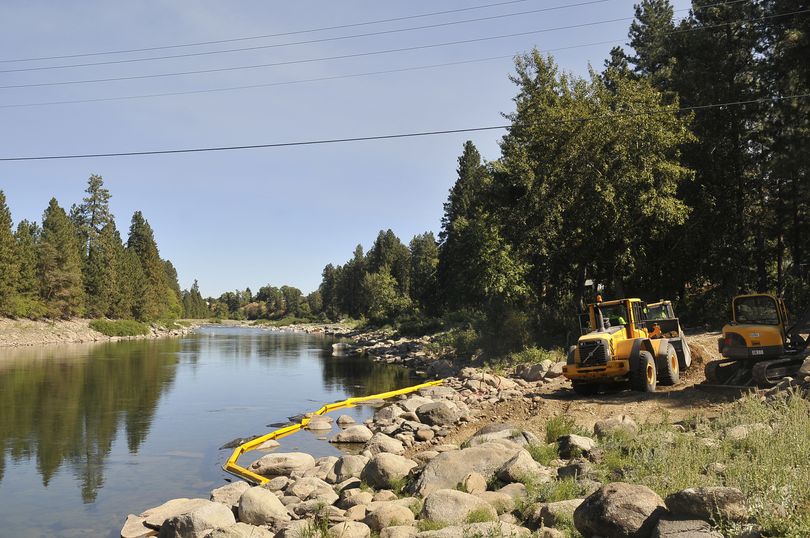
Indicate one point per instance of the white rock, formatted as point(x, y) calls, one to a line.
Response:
point(198, 522)
point(259, 506)
point(283, 464)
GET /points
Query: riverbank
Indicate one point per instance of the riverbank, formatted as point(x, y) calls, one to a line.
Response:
point(26, 332)
point(508, 455)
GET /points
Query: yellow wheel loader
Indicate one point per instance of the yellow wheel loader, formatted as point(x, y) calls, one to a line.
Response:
point(620, 344)
point(760, 346)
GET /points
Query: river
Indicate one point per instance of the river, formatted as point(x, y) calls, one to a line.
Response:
point(90, 433)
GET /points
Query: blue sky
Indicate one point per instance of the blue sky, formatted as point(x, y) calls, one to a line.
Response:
point(248, 218)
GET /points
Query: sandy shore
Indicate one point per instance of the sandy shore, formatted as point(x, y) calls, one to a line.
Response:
point(26, 332)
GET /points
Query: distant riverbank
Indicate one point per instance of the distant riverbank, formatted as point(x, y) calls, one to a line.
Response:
point(26, 332)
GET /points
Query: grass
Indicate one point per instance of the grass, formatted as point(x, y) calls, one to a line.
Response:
point(561, 425)
point(283, 322)
point(480, 515)
point(429, 525)
point(398, 484)
point(556, 490)
point(119, 327)
point(771, 467)
point(543, 454)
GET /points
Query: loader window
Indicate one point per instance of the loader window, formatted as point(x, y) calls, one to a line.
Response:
point(614, 315)
point(756, 310)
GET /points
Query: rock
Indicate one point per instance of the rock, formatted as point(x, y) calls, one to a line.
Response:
point(716, 503)
point(384, 468)
point(474, 483)
point(382, 443)
point(346, 467)
point(355, 498)
point(533, 372)
point(425, 434)
point(619, 423)
point(319, 422)
point(619, 510)
point(550, 514)
point(154, 517)
point(517, 491)
point(277, 484)
point(413, 403)
point(352, 434)
point(356, 513)
point(388, 413)
point(134, 528)
point(555, 370)
point(242, 530)
point(493, 432)
point(349, 529)
point(347, 485)
point(489, 528)
point(229, 494)
point(317, 508)
point(198, 522)
point(669, 527)
point(522, 467)
point(572, 445)
point(448, 469)
point(385, 495)
point(389, 515)
point(501, 502)
point(438, 414)
point(283, 464)
point(310, 487)
point(341, 349)
point(549, 533)
point(446, 447)
point(345, 420)
point(804, 369)
point(398, 531)
point(323, 467)
point(297, 529)
point(453, 507)
point(259, 506)
point(575, 470)
point(743, 431)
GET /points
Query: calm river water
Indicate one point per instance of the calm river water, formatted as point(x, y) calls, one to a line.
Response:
point(90, 433)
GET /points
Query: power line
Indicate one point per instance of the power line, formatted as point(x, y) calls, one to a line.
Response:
point(373, 53)
point(659, 111)
point(310, 41)
point(265, 36)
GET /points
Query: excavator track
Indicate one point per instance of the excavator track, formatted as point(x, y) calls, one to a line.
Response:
point(727, 373)
point(768, 373)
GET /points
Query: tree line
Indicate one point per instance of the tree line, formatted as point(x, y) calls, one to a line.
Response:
point(621, 182)
point(75, 263)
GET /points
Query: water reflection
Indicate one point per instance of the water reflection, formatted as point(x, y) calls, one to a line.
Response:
point(66, 407)
point(97, 431)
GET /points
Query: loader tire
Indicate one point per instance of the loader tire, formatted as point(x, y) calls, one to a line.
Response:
point(643, 377)
point(668, 368)
point(585, 389)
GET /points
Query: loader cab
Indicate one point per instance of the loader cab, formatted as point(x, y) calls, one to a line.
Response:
point(759, 309)
point(757, 329)
point(660, 310)
point(623, 315)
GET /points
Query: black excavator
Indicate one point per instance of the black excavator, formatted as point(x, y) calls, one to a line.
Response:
point(760, 346)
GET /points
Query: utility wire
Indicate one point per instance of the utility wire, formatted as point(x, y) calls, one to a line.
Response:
point(583, 119)
point(265, 36)
point(310, 41)
point(374, 53)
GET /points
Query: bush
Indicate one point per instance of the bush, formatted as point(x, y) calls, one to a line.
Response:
point(28, 307)
point(561, 425)
point(536, 354)
point(543, 454)
point(119, 327)
point(464, 342)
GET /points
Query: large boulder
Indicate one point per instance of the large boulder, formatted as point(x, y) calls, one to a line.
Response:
point(388, 413)
point(669, 527)
point(550, 514)
point(453, 507)
point(494, 432)
point(413, 403)
point(383, 443)
point(502, 502)
point(389, 515)
point(474, 483)
point(619, 510)
point(438, 413)
point(619, 423)
point(283, 464)
point(198, 522)
point(716, 503)
point(399, 531)
point(311, 487)
point(154, 517)
point(259, 506)
point(349, 529)
point(488, 528)
point(242, 530)
point(352, 434)
point(229, 493)
point(448, 469)
point(346, 467)
point(385, 468)
point(533, 371)
point(522, 467)
point(572, 445)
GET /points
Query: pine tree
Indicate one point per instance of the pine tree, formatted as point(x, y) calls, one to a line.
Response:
point(424, 263)
point(9, 268)
point(101, 271)
point(388, 251)
point(153, 304)
point(27, 239)
point(93, 214)
point(60, 271)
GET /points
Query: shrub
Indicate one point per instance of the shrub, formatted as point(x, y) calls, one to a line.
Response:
point(556, 490)
point(479, 515)
point(561, 425)
point(536, 354)
point(543, 454)
point(119, 327)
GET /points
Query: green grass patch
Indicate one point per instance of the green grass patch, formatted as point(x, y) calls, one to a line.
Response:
point(119, 327)
point(543, 454)
point(561, 425)
point(429, 525)
point(480, 515)
point(556, 490)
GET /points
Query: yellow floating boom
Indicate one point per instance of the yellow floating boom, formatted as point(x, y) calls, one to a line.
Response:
point(231, 466)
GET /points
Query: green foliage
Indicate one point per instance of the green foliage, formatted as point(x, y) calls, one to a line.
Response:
point(382, 299)
point(9, 268)
point(154, 302)
point(537, 355)
point(553, 491)
point(429, 525)
point(480, 515)
point(561, 425)
point(462, 342)
point(543, 454)
point(120, 327)
point(424, 253)
point(60, 266)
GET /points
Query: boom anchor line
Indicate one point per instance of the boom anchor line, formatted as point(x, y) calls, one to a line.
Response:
point(232, 466)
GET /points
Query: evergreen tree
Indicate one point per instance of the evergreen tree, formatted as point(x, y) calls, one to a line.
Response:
point(424, 263)
point(153, 304)
point(388, 251)
point(27, 239)
point(93, 214)
point(330, 300)
point(349, 288)
point(194, 305)
point(650, 36)
point(101, 271)
point(60, 272)
point(9, 267)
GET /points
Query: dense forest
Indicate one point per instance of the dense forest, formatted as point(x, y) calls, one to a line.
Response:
point(74, 263)
point(680, 170)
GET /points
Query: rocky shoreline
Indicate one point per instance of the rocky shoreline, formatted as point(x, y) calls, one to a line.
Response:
point(411, 480)
point(25, 332)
